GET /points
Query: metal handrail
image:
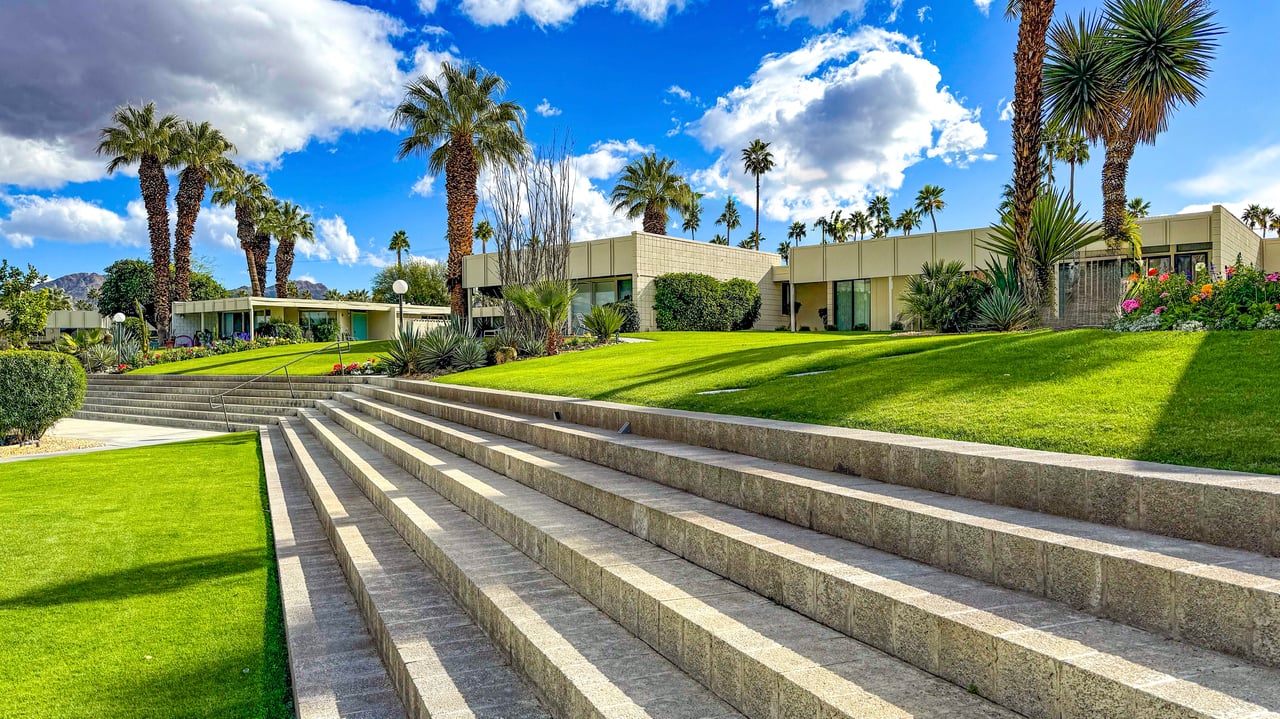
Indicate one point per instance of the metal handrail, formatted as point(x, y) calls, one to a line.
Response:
point(220, 398)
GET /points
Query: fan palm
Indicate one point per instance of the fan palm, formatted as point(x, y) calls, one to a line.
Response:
point(137, 137)
point(1118, 77)
point(719, 239)
point(400, 242)
point(1139, 207)
point(860, 223)
point(289, 224)
point(460, 123)
point(820, 224)
point(264, 222)
point(648, 188)
point(690, 207)
point(753, 241)
point(1073, 150)
point(929, 199)
point(201, 151)
point(784, 250)
point(797, 232)
point(729, 218)
point(1258, 217)
point(756, 161)
point(908, 220)
point(484, 233)
point(247, 192)
point(547, 300)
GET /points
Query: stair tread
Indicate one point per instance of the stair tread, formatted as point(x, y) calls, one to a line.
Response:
point(565, 624)
point(196, 405)
point(205, 424)
point(1022, 618)
point(787, 642)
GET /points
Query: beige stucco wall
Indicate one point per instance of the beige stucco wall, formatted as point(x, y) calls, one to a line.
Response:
point(659, 255)
point(1271, 255)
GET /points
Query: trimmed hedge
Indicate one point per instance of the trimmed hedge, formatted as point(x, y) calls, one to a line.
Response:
point(687, 301)
point(630, 315)
point(39, 388)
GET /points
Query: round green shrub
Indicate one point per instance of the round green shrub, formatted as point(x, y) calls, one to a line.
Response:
point(630, 315)
point(687, 301)
point(741, 299)
point(39, 388)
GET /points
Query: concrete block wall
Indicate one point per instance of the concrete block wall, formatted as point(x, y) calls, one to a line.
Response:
point(658, 255)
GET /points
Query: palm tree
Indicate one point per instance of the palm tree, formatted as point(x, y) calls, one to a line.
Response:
point(460, 123)
point(908, 220)
point(1275, 223)
point(756, 161)
point(690, 208)
point(1073, 150)
point(484, 233)
point(201, 152)
point(360, 295)
point(246, 192)
point(648, 188)
point(264, 223)
point(289, 224)
point(1118, 77)
point(784, 250)
point(1256, 216)
point(797, 233)
point(548, 300)
point(839, 226)
point(1139, 207)
point(860, 223)
point(1028, 102)
point(137, 136)
point(881, 215)
point(821, 225)
point(754, 238)
point(729, 218)
point(719, 239)
point(1052, 138)
point(929, 200)
point(334, 295)
point(1059, 229)
point(400, 243)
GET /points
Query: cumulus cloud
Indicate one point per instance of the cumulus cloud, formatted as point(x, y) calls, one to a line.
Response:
point(273, 76)
point(546, 109)
point(1237, 181)
point(1005, 108)
point(847, 115)
point(819, 13)
point(558, 12)
point(426, 7)
point(606, 158)
point(335, 242)
point(984, 6)
point(74, 220)
point(424, 187)
point(679, 92)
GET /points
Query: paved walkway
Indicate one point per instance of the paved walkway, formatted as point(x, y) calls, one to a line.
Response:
point(112, 435)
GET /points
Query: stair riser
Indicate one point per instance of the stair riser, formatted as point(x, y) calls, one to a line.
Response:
point(1230, 509)
point(205, 388)
point(756, 688)
point(218, 426)
point(239, 399)
point(1137, 589)
point(552, 673)
point(233, 405)
point(1015, 668)
point(176, 414)
point(277, 378)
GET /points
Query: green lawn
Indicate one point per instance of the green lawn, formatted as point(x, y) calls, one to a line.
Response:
point(1204, 399)
point(140, 583)
point(266, 359)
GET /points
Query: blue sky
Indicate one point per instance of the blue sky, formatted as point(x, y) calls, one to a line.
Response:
point(857, 97)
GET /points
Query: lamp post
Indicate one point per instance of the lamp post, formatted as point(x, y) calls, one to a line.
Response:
point(400, 287)
point(118, 319)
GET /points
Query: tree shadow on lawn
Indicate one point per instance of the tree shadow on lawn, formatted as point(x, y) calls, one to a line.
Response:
point(373, 347)
point(147, 579)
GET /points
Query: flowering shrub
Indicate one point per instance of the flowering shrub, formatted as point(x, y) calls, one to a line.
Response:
point(367, 367)
point(242, 342)
point(1242, 298)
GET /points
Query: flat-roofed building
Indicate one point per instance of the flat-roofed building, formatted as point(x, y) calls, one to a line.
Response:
point(238, 315)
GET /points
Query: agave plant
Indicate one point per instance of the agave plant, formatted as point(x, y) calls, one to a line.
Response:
point(436, 348)
point(100, 358)
point(402, 357)
point(1004, 310)
point(603, 322)
point(469, 354)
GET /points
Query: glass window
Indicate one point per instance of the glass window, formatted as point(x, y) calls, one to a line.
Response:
point(605, 292)
point(1160, 264)
point(862, 303)
point(624, 289)
point(580, 305)
point(1185, 263)
point(844, 305)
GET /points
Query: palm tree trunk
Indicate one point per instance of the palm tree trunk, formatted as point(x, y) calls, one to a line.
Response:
point(190, 195)
point(284, 264)
point(1028, 104)
point(655, 219)
point(757, 210)
point(398, 266)
point(261, 254)
point(934, 220)
point(244, 231)
point(155, 196)
point(1115, 172)
point(460, 175)
point(1071, 192)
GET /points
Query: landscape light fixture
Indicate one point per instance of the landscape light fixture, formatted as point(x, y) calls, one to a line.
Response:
point(400, 287)
point(118, 319)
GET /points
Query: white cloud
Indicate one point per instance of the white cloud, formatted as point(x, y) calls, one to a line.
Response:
point(546, 109)
point(424, 187)
point(607, 158)
point(846, 114)
point(306, 278)
point(680, 92)
point(818, 13)
point(335, 242)
point(923, 13)
point(426, 7)
point(558, 12)
point(434, 30)
point(74, 220)
point(1235, 182)
point(984, 6)
point(894, 7)
point(273, 76)
point(1005, 108)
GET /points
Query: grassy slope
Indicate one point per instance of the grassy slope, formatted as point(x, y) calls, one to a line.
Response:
point(266, 359)
point(1205, 399)
point(109, 558)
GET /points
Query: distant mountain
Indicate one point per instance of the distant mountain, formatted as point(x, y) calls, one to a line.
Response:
point(77, 285)
point(317, 289)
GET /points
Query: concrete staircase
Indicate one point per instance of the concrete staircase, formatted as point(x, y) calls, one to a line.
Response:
point(183, 400)
point(514, 555)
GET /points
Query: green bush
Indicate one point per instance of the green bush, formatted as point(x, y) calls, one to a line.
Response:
point(282, 330)
point(687, 301)
point(39, 388)
point(630, 315)
point(324, 331)
point(603, 322)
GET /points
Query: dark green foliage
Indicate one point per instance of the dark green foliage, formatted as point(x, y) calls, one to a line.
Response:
point(132, 282)
point(943, 296)
point(603, 322)
point(1004, 310)
point(425, 279)
point(25, 308)
point(630, 315)
point(402, 356)
point(39, 388)
point(283, 330)
point(695, 302)
point(436, 348)
point(324, 331)
point(469, 354)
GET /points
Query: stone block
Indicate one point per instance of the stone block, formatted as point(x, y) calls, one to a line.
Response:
point(1213, 611)
point(1090, 690)
point(916, 633)
point(1064, 490)
point(726, 671)
point(799, 585)
point(1026, 680)
point(1234, 516)
point(871, 614)
point(1171, 508)
point(1019, 562)
point(928, 541)
point(904, 465)
point(971, 551)
point(796, 502)
point(892, 528)
point(976, 477)
point(1138, 593)
point(967, 652)
point(1073, 575)
point(937, 469)
point(1018, 483)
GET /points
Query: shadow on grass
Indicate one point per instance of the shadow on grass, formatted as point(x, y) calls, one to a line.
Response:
point(147, 579)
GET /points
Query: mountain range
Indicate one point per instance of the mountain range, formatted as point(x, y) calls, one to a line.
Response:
point(77, 285)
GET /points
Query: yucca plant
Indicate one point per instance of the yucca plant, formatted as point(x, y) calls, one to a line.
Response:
point(469, 354)
point(1059, 229)
point(603, 322)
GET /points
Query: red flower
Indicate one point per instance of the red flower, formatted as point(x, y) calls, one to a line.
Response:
point(1152, 272)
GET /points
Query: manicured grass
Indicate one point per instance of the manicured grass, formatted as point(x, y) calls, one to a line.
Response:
point(268, 358)
point(140, 583)
point(1204, 399)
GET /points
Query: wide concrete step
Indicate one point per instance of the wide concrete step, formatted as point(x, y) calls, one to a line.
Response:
point(1230, 509)
point(1038, 657)
point(193, 378)
point(109, 415)
point(234, 405)
point(764, 659)
point(335, 670)
point(1214, 597)
point(206, 386)
point(581, 662)
point(203, 413)
point(239, 398)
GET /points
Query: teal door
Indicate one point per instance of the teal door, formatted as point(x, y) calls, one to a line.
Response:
point(360, 325)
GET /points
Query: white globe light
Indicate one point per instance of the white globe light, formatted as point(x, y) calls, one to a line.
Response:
point(400, 287)
point(117, 317)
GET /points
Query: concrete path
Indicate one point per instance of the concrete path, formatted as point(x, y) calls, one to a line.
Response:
point(112, 435)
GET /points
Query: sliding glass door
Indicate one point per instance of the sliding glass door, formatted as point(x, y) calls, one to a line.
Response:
point(853, 304)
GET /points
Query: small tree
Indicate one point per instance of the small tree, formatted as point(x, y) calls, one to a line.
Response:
point(25, 307)
point(426, 280)
point(548, 300)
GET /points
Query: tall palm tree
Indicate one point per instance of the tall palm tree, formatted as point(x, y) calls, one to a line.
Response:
point(753, 241)
point(484, 233)
point(1116, 78)
point(1034, 17)
point(839, 226)
point(820, 224)
point(929, 199)
point(264, 222)
point(137, 137)
point(729, 218)
point(1052, 139)
point(400, 243)
point(1256, 216)
point(784, 250)
point(881, 215)
point(860, 223)
point(756, 161)
point(648, 188)
point(1073, 150)
point(247, 192)
point(690, 208)
point(201, 151)
point(1139, 207)
point(289, 224)
point(459, 121)
point(1275, 223)
point(908, 220)
point(797, 232)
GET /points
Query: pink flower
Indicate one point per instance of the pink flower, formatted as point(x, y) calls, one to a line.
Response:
point(1164, 294)
point(1231, 271)
point(1273, 277)
point(1159, 309)
point(1164, 277)
point(1130, 305)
